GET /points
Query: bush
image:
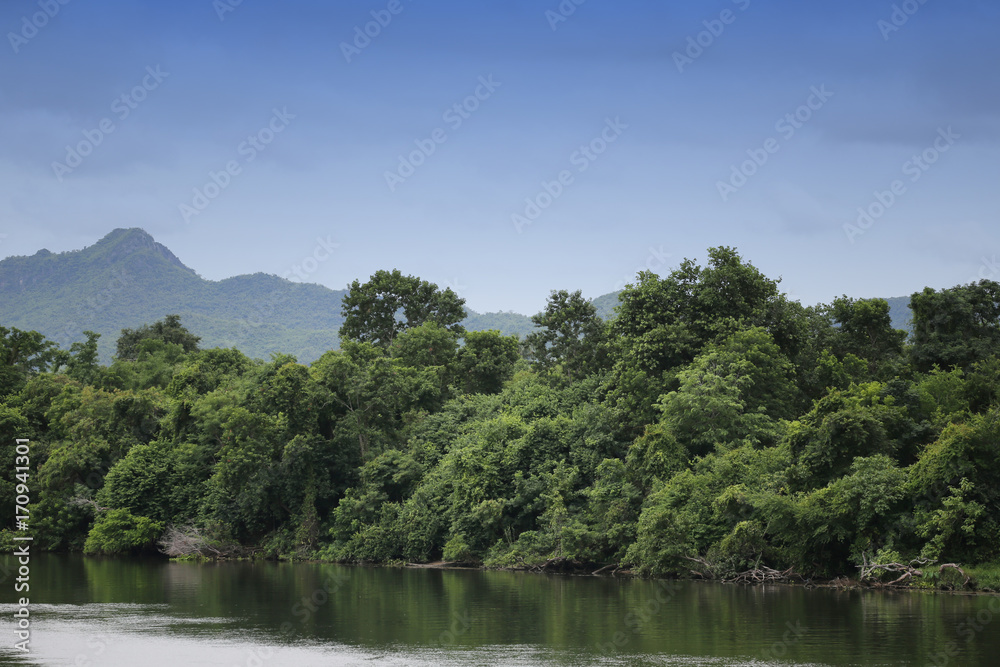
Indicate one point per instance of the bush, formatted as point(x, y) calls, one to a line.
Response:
point(119, 532)
point(985, 577)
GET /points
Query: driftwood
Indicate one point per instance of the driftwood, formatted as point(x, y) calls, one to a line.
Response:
point(762, 575)
point(871, 571)
point(558, 564)
point(907, 571)
point(189, 541)
point(756, 575)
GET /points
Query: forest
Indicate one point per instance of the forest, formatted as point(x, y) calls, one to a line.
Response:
point(712, 427)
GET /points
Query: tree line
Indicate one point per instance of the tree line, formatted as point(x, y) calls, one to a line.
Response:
point(711, 427)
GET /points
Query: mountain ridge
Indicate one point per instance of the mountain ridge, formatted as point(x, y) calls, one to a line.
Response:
point(127, 279)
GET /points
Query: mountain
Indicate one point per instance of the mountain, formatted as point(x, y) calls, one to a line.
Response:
point(606, 305)
point(127, 279)
point(899, 311)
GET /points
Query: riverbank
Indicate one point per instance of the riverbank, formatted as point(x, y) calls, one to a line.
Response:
point(974, 580)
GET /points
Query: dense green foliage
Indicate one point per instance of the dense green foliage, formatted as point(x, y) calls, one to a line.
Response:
point(168, 330)
point(713, 425)
point(390, 303)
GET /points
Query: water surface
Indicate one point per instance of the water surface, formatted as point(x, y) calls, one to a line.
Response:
point(91, 611)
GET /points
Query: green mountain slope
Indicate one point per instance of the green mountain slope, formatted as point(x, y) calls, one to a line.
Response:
point(127, 279)
point(606, 305)
point(508, 323)
point(899, 311)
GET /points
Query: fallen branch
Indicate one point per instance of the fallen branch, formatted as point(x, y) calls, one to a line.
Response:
point(906, 571)
point(189, 541)
point(762, 575)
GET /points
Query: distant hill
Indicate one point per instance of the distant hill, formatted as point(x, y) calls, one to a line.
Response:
point(509, 323)
point(899, 311)
point(606, 305)
point(127, 279)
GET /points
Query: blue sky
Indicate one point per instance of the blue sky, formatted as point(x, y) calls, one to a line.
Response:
point(589, 140)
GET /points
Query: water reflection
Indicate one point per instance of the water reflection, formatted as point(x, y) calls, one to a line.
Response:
point(88, 611)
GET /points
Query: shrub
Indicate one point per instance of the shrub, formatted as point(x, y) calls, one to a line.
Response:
point(119, 532)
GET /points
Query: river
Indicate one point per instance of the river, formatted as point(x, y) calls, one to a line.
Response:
point(92, 612)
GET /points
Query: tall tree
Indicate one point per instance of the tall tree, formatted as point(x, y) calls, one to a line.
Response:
point(866, 330)
point(389, 303)
point(168, 330)
point(80, 361)
point(663, 323)
point(369, 392)
point(487, 360)
point(22, 353)
point(956, 326)
point(571, 335)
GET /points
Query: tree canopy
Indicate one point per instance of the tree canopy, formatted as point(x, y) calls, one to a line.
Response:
point(571, 335)
point(167, 330)
point(389, 303)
